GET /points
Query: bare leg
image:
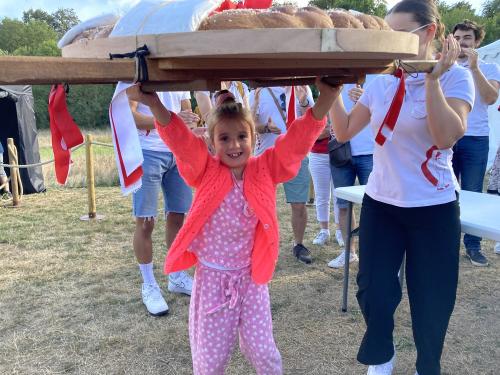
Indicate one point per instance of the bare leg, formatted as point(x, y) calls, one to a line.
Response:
point(143, 244)
point(299, 221)
point(173, 224)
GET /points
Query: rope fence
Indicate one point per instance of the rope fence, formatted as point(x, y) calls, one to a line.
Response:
point(17, 186)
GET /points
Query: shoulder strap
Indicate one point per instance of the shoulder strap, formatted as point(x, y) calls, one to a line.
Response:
point(282, 113)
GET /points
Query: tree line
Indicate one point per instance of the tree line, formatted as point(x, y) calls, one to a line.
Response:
point(37, 33)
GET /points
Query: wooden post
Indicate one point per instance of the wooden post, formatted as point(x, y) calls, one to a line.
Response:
point(14, 172)
point(90, 176)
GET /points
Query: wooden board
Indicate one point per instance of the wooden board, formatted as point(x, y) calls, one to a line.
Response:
point(259, 43)
point(201, 60)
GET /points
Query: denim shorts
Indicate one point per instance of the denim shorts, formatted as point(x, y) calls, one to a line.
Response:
point(360, 166)
point(160, 171)
point(297, 189)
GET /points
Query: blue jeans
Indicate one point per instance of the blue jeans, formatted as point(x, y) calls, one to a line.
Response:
point(160, 172)
point(360, 166)
point(470, 156)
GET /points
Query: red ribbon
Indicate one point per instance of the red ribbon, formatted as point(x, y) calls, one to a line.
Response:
point(246, 4)
point(392, 115)
point(64, 131)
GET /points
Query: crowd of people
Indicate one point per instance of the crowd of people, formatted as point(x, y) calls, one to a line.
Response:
point(248, 145)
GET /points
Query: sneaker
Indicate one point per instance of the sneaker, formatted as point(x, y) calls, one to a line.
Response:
point(302, 253)
point(322, 238)
point(497, 248)
point(338, 238)
point(180, 282)
point(477, 258)
point(153, 300)
point(383, 369)
point(339, 261)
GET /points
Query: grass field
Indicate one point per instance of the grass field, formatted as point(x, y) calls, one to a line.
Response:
point(70, 299)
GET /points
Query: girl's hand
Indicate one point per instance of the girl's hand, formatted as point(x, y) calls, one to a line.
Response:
point(327, 96)
point(135, 94)
point(451, 50)
point(355, 93)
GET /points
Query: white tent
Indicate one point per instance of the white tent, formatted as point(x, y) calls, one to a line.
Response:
point(491, 53)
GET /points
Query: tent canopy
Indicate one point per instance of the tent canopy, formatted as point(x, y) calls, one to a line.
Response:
point(18, 122)
point(491, 54)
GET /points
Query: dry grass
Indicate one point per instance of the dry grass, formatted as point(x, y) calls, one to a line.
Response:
point(70, 302)
point(104, 161)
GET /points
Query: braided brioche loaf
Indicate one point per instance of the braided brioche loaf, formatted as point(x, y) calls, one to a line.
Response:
point(291, 17)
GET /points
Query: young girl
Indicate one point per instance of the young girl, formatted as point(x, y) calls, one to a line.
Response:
point(231, 231)
point(411, 201)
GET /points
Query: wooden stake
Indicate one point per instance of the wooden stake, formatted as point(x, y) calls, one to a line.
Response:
point(14, 172)
point(90, 176)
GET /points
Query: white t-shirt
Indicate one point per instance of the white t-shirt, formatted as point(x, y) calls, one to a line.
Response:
point(150, 140)
point(408, 170)
point(363, 142)
point(267, 109)
point(477, 122)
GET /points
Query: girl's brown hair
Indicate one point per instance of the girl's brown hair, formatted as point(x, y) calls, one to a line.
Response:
point(424, 12)
point(226, 108)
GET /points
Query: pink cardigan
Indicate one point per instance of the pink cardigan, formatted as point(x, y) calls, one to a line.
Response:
point(212, 181)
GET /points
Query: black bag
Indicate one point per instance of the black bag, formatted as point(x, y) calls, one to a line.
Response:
point(340, 153)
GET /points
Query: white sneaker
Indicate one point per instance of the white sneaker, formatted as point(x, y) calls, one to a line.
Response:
point(322, 238)
point(338, 237)
point(339, 261)
point(180, 282)
point(383, 369)
point(154, 301)
point(497, 248)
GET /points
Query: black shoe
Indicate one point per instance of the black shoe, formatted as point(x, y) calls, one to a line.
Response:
point(477, 258)
point(302, 253)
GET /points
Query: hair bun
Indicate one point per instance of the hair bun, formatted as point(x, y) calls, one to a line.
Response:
point(222, 97)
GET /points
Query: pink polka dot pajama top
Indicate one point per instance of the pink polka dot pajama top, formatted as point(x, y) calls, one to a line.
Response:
point(225, 302)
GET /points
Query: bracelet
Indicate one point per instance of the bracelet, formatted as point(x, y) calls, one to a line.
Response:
point(305, 105)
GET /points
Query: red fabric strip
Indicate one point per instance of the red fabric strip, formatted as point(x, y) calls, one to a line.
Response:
point(65, 133)
point(392, 115)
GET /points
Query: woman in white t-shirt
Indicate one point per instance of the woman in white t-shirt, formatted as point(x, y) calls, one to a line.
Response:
point(411, 200)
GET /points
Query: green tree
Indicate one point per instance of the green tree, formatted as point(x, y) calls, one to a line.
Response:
point(377, 7)
point(64, 19)
point(37, 15)
point(491, 9)
point(15, 34)
point(61, 20)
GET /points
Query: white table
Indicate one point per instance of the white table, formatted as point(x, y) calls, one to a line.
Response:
point(479, 216)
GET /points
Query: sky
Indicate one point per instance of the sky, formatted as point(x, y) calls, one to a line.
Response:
point(86, 9)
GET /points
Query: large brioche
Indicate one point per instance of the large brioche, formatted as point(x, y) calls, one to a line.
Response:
point(276, 17)
point(232, 19)
point(344, 20)
point(381, 22)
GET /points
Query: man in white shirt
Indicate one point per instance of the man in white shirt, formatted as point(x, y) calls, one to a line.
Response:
point(160, 173)
point(471, 152)
point(268, 106)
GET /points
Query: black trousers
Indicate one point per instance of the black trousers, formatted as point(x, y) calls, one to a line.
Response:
point(430, 236)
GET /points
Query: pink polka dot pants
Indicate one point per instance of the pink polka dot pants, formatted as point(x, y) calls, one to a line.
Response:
point(225, 304)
